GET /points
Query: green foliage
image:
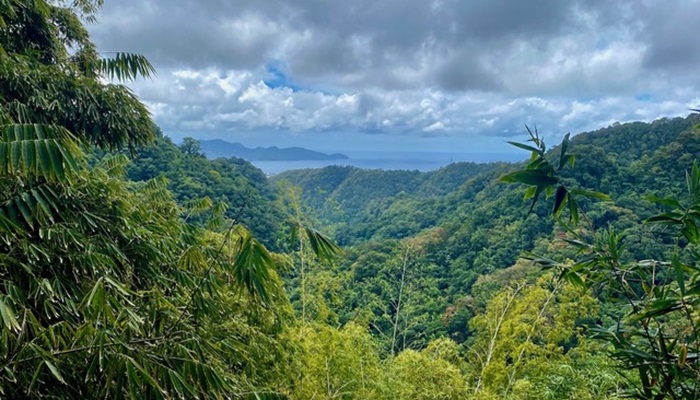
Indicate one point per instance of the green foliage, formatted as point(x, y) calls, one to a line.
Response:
point(37, 151)
point(126, 66)
point(344, 363)
point(117, 294)
point(424, 375)
point(191, 147)
point(631, 141)
point(105, 292)
point(154, 289)
point(655, 331)
point(544, 177)
point(50, 74)
point(361, 204)
point(307, 246)
point(527, 344)
point(449, 285)
point(335, 363)
point(481, 224)
point(249, 198)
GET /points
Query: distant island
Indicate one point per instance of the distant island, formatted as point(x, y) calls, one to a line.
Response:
point(220, 148)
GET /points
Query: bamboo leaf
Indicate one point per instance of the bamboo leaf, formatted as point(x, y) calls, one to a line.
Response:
point(559, 200)
point(573, 210)
point(323, 248)
point(54, 371)
point(671, 218)
point(591, 194)
point(38, 150)
point(563, 157)
point(535, 197)
point(293, 234)
point(529, 177)
point(8, 316)
point(525, 147)
point(668, 202)
point(126, 66)
point(660, 307)
point(574, 278)
point(146, 376)
point(251, 267)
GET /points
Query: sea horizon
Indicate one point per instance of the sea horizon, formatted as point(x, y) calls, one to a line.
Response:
point(390, 160)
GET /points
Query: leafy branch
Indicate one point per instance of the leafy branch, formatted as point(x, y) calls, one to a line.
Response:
point(657, 335)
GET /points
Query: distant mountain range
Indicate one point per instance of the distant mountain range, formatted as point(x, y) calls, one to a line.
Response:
point(220, 148)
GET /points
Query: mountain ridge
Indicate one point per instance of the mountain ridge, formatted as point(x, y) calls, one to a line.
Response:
point(220, 148)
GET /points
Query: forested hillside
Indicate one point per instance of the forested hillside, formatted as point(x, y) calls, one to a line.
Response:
point(452, 227)
point(134, 268)
point(359, 204)
point(249, 197)
point(354, 202)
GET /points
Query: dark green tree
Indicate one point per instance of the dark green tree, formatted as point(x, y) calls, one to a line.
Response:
point(191, 147)
point(105, 292)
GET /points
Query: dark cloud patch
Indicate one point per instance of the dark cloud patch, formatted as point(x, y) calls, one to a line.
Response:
point(322, 52)
point(408, 67)
point(333, 40)
point(465, 71)
point(367, 104)
point(499, 19)
point(186, 35)
point(670, 32)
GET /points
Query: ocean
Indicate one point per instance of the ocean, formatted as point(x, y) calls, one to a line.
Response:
point(396, 160)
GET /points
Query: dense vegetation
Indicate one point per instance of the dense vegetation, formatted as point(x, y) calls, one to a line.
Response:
point(470, 224)
point(134, 268)
point(426, 264)
point(107, 291)
point(250, 199)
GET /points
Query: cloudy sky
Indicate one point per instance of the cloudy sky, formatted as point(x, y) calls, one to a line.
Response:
point(441, 75)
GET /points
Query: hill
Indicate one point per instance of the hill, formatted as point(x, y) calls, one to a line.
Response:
point(470, 225)
point(220, 148)
point(240, 185)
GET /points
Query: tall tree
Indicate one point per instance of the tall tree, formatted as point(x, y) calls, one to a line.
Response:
point(51, 73)
point(105, 292)
point(191, 147)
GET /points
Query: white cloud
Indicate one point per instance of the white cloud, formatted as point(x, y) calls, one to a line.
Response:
point(437, 126)
point(407, 67)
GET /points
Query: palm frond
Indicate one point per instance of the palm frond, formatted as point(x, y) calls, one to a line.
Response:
point(252, 265)
point(115, 165)
point(197, 206)
point(323, 247)
point(35, 150)
point(126, 66)
point(33, 206)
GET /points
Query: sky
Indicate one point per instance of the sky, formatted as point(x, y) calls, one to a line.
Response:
point(414, 75)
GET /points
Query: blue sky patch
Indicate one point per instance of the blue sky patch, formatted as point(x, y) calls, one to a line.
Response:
point(644, 97)
point(277, 78)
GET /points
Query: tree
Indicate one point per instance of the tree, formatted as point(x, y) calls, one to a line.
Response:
point(306, 245)
point(236, 182)
point(527, 343)
point(424, 375)
point(191, 147)
point(105, 291)
point(336, 363)
point(50, 73)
